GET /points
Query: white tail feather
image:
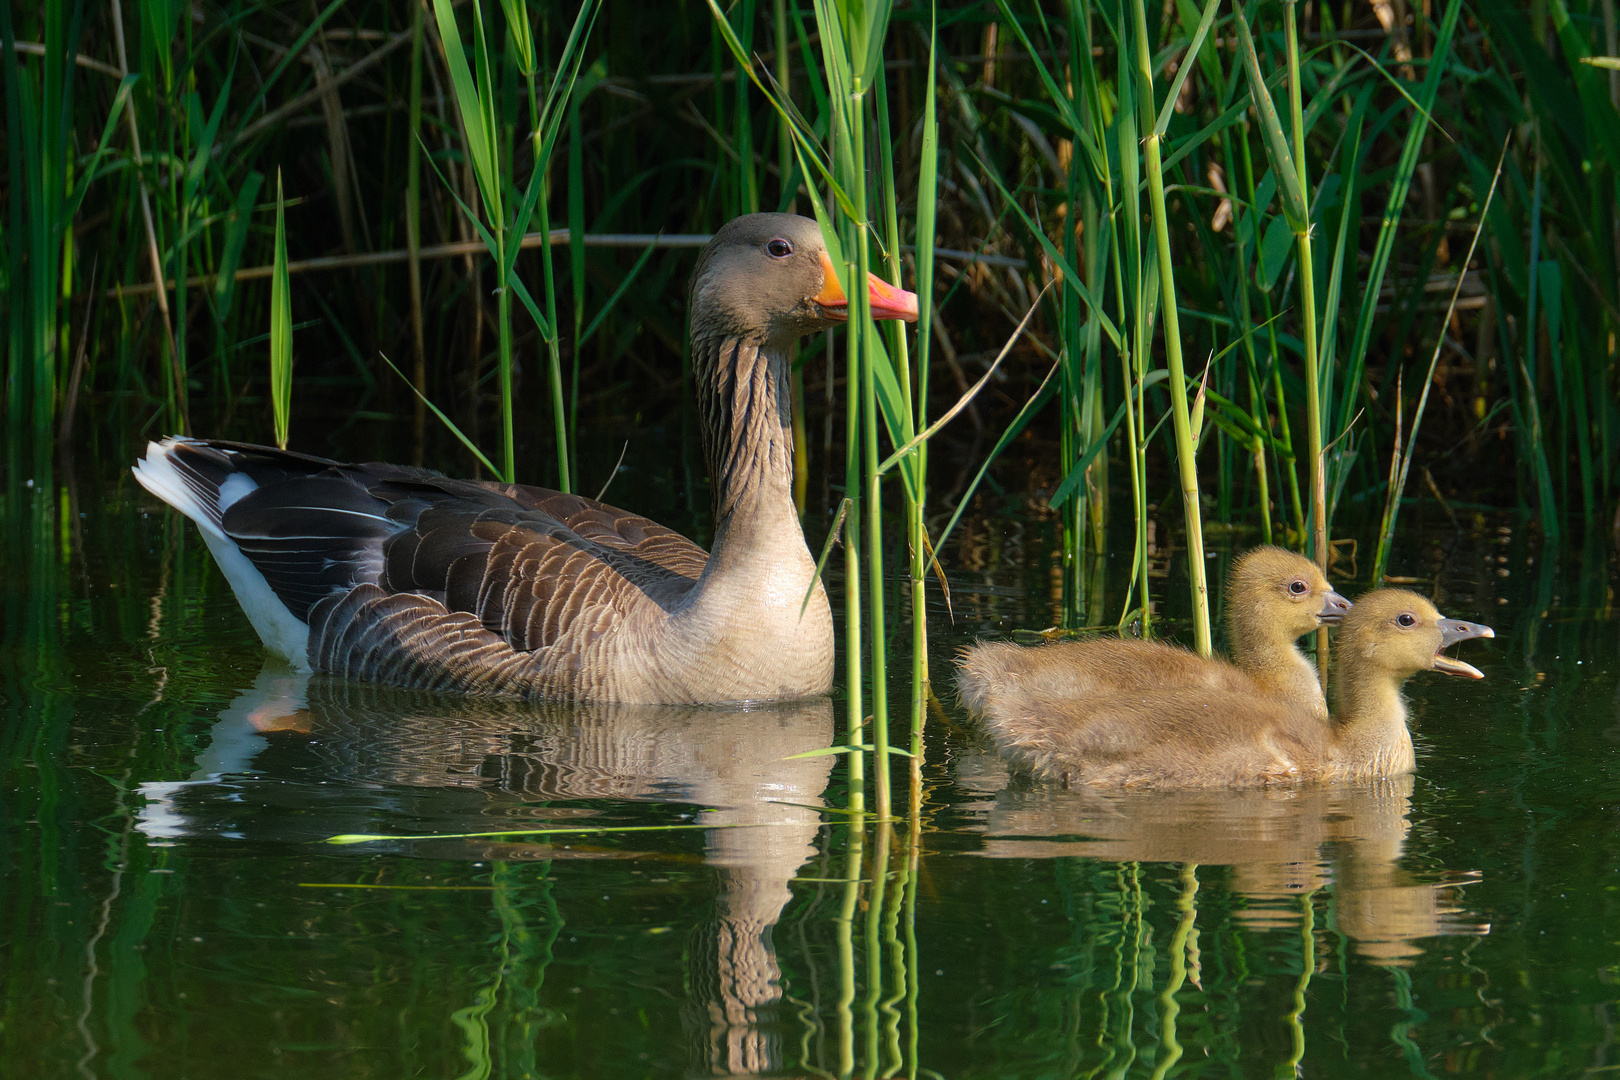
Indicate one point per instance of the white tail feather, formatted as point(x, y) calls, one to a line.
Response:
point(281, 631)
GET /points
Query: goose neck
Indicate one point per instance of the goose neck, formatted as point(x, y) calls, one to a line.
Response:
point(1256, 641)
point(745, 405)
point(1370, 724)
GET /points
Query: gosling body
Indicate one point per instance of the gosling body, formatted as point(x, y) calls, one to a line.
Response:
point(1192, 738)
point(1273, 597)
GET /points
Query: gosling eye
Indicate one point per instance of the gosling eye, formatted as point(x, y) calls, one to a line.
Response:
point(1298, 587)
point(778, 248)
point(1406, 618)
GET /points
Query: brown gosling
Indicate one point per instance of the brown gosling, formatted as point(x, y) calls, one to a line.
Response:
point(1211, 738)
point(1273, 597)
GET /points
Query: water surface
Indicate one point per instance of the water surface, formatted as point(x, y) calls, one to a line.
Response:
point(173, 909)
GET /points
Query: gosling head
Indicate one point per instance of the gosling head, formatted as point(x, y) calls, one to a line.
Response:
point(1401, 633)
point(1284, 590)
point(767, 277)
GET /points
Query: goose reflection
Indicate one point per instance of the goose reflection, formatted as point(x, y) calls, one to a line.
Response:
point(359, 749)
point(1278, 843)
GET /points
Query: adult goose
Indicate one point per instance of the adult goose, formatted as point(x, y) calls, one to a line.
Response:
point(399, 575)
point(1192, 738)
point(1273, 597)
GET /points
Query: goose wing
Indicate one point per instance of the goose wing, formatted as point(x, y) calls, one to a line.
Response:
point(526, 564)
point(532, 564)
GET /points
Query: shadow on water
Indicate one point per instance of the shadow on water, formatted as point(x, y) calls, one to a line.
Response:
point(309, 745)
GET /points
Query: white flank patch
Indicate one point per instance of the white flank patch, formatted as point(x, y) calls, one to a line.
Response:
point(281, 632)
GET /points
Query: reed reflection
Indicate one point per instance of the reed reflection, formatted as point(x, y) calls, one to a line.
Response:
point(1280, 844)
point(341, 752)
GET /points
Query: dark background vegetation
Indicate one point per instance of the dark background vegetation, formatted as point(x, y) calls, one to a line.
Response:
point(666, 139)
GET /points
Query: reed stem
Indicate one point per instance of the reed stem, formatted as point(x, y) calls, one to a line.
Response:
point(413, 238)
point(1307, 297)
point(1186, 450)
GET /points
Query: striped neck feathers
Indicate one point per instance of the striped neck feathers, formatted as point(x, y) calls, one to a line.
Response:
point(745, 405)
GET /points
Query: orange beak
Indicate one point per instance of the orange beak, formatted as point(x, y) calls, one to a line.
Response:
point(886, 301)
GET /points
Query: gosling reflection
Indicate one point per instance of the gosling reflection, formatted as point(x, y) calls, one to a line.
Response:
point(367, 748)
point(1279, 844)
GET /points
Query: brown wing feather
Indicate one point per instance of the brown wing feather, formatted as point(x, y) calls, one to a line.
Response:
point(615, 528)
point(406, 639)
point(532, 564)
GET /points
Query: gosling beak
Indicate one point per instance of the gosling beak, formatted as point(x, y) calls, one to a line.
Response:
point(1451, 632)
point(1333, 610)
point(886, 301)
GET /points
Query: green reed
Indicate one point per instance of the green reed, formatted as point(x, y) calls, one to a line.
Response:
point(281, 356)
point(917, 538)
point(881, 399)
point(1401, 463)
point(1144, 286)
point(47, 186)
point(851, 43)
point(502, 231)
point(1546, 355)
point(177, 197)
point(1117, 283)
point(1186, 459)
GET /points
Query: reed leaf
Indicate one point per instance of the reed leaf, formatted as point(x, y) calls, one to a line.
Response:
point(281, 330)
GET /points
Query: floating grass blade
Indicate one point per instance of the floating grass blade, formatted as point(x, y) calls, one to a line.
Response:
point(561, 830)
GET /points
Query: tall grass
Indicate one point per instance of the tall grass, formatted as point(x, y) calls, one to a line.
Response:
point(1552, 255)
point(1233, 286)
point(502, 231)
point(47, 184)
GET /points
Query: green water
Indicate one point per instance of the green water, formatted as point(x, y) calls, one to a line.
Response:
point(170, 909)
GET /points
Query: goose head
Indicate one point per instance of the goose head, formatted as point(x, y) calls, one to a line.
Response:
point(768, 278)
point(1398, 633)
point(1284, 592)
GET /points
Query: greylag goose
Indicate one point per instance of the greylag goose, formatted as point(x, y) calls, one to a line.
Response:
point(399, 575)
point(1189, 738)
point(1273, 597)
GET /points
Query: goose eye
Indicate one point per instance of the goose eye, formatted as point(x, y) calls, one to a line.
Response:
point(1298, 588)
point(1406, 618)
point(779, 249)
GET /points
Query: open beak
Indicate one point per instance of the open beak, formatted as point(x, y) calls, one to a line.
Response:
point(1451, 632)
point(886, 301)
point(1333, 610)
